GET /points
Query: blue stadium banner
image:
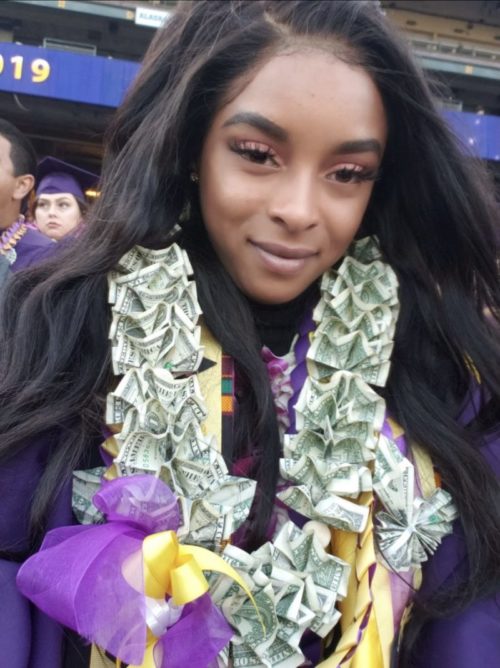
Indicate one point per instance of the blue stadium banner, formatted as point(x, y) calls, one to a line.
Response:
point(479, 132)
point(103, 81)
point(64, 76)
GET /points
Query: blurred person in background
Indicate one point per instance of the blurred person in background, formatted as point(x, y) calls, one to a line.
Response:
point(60, 202)
point(19, 244)
point(4, 270)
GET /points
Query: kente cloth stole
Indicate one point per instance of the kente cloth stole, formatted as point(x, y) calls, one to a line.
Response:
point(217, 387)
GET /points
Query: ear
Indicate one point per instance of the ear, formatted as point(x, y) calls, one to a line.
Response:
point(24, 184)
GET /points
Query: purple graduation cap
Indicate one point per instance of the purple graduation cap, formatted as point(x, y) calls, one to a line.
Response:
point(56, 176)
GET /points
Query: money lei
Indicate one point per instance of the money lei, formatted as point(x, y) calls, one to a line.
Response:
point(155, 343)
point(158, 411)
point(339, 450)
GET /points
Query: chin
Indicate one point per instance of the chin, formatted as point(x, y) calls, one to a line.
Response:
point(267, 296)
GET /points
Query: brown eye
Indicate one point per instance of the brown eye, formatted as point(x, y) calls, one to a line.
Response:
point(255, 152)
point(255, 155)
point(351, 173)
point(346, 175)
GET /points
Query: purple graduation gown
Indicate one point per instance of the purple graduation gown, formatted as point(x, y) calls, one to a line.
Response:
point(32, 248)
point(28, 639)
point(470, 639)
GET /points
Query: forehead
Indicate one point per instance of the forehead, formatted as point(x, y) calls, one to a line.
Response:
point(312, 92)
point(51, 196)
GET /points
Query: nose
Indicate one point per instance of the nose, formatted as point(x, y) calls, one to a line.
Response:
point(294, 201)
point(52, 209)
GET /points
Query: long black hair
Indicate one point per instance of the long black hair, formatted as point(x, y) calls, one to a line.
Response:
point(431, 211)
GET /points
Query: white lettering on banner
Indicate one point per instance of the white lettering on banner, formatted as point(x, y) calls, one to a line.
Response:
point(153, 18)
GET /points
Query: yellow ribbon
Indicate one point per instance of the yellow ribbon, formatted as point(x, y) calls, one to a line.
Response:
point(176, 570)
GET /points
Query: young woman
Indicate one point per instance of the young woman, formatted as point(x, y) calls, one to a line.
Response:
point(289, 264)
point(60, 204)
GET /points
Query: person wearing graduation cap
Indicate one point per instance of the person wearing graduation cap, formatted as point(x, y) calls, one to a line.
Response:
point(60, 202)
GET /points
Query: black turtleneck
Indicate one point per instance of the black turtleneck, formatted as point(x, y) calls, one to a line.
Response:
point(277, 324)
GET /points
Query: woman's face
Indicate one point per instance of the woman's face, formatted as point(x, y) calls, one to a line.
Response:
point(57, 214)
point(287, 170)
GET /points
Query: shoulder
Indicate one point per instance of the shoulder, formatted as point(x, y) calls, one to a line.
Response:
point(32, 248)
point(470, 638)
point(34, 239)
point(489, 447)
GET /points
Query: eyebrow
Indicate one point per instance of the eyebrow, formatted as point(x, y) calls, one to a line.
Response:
point(360, 146)
point(57, 200)
point(258, 121)
point(280, 134)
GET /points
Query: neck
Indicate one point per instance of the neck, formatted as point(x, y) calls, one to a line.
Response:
point(277, 324)
point(8, 216)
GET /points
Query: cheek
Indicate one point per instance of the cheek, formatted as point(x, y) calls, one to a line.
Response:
point(344, 220)
point(227, 202)
point(71, 216)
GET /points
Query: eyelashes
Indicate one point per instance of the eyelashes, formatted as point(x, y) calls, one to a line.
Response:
point(354, 174)
point(261, 154)
point(255, 152)
point(46, 205)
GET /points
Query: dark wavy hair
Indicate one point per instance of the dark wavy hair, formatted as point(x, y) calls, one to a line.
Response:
point(431, 210)
point(22, 152)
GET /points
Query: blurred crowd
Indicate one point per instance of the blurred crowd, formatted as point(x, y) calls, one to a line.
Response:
point(41, 202)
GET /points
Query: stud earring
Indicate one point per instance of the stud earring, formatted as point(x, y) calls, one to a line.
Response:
point(194, 177)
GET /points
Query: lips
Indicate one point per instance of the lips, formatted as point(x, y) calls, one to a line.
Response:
point(287, 252)
point(283, 260)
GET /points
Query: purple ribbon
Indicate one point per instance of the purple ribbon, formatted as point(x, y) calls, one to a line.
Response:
point(90, 579)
